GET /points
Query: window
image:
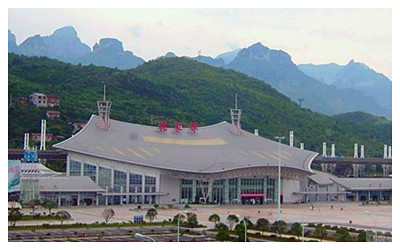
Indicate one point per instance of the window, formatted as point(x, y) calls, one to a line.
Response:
point(119, 181)
point(74, 168)
point(135, 183)
point(150, 184)
point(105, 178)
point(89, 170)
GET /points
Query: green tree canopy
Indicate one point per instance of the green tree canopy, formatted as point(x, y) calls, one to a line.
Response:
point(107, 214)
point(279, 226)
point(232, 220)
point(214, 218)
point(49, 204)
point(151, 214)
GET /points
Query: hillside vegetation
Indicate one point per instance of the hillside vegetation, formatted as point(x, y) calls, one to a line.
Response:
point(175, 89)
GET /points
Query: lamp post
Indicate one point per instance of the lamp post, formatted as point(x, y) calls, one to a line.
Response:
point(138, 235)
point(376, 229)
point(179, 219)
point(279, 138)
point(245, 226)
point(303, 224)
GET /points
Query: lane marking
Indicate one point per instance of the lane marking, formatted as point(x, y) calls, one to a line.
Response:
point(136, 153)
point(117, 150)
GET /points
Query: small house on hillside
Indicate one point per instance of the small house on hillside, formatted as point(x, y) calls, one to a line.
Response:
point(38, 99)
point(53, 114)
point(53, 100)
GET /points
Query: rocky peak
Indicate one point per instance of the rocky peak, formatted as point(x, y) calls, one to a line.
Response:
point(65, 32)
point(109, 45)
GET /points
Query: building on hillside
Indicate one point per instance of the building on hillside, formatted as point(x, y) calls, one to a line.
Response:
point(38, 99)
point(53, 114)
point(53, 100)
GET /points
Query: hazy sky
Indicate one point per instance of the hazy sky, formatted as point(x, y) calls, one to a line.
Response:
point(308, 35)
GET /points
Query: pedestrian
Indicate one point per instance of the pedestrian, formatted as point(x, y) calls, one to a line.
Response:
point(331, 207)
point(258, 211)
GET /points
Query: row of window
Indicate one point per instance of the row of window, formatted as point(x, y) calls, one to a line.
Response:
point(120, 178)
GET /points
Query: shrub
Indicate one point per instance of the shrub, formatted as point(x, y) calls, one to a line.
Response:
point(186, 206)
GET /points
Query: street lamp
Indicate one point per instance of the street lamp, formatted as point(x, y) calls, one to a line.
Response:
point(138, 235)
point(303, 224)
point(179, 219)
point(376, 229)
point(279, 138)
point(245, 226)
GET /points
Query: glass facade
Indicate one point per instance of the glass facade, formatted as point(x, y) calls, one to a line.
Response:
point(235, 190)
point(135, 183)
point(74, 168)
point(150, 184)
point(119, 181)
point(105, 178)
point(89, 170)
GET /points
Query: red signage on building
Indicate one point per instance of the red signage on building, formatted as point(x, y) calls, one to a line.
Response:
point(163, 126)
point(178, 127)
point(193, 127)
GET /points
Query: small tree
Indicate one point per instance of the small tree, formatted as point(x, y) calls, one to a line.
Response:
point(320, 232)
point(14, 215)
point(223, 236)
point(181, 217)
point(262, 224)
point(107, 214)
point(279, 226)
point(214, 218)
point(49, 204)
point(297, 229)
point(232, 220)
point(362, 236)
point(221, 227)
point(151, 214)
point(63, 215)
point(343, 234)
point(191, 220)
point(33, 204)
point(240, 231)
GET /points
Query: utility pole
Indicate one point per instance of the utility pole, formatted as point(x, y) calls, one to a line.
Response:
point(279, 138)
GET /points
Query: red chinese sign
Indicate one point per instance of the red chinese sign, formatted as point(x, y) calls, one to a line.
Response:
point(178, 127)
point(162, 126)
point(193, 127)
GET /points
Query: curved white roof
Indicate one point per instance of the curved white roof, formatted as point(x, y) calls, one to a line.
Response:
point(211, 149)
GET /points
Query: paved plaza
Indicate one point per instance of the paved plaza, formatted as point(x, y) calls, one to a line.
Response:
point(352, 214)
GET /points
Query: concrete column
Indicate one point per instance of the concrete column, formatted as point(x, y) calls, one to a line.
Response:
point(356, 198)
point(59, 200)
point(97, 174)
point(68, 166)
point(210, 193)
point(369, 195)
point(226, 191)
point(97, 199)
point(317, 189)
point(79, 199)
point(194, 190)
point(106, 195)
point(112, 178)
point(127, 186)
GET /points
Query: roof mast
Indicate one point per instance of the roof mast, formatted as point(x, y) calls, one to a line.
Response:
point(235, 117)
point(104, 108)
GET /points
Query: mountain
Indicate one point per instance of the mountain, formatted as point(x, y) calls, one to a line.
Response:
point(170, 89)
point(354, 75)
point(276, 68)
point(12, 43)
point(228, 56)
point(324, 73)
point(217, 62)
point(65, 45)
point(170, 54)
point(359, 76)
point(109, 52)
